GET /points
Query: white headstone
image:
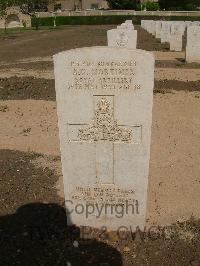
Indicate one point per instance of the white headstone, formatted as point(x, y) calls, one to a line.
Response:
point(165, 33)
point(193, 44)
point(129, 21)
point(126, 26)
point(158, 29)
point(188, 23)
point(176, 28)
point(152, 27)
point(122, 38)
point(176, 37)
point(148, 25)
point(142, 23)
point(182, 27)
point(176, 41)
point(104, 104)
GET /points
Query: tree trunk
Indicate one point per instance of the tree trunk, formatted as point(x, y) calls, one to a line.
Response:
point(5, 26)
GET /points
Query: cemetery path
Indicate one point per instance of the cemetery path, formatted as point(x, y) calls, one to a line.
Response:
point(45, 43)
point(177, 74)
point(159, 55)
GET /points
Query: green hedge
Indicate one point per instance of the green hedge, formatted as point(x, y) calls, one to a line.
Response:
point(105, 20)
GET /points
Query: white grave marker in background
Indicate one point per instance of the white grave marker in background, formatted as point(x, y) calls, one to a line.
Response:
point(176, 37)
point(165, 32)
point(193, 44)
point(122, 38)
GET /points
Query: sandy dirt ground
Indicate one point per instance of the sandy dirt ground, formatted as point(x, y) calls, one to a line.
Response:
point(174, 167)
point(29, 121)
point(177, 74)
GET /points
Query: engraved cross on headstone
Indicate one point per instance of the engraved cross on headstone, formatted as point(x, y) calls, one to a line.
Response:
point(105, 132)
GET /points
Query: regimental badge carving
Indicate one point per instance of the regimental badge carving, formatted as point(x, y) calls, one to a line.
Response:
point(104, 126)
point(122, 39)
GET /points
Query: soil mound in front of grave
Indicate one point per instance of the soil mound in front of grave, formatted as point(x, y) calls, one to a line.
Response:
point(17, 88)
point(21, 88)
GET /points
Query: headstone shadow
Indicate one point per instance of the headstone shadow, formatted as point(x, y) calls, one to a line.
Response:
point(37, 234)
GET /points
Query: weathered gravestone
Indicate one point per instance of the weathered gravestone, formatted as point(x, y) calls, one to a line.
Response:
point(122, 38)
point(176, 37)
point(129, 21)
point(188, 23)
point(151, 28)
point(148, 25)
point(104, 104)
point(127, 25)
point(177, 27)
point(144, 24)
point(165, 32)
point(176, 41)
point(158, 29)
point(195, 23)
point(193, 44)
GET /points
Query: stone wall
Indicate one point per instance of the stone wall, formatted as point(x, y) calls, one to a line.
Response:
point(78, 5)
point(15, 18)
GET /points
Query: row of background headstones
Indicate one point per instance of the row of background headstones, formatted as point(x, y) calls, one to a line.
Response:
point(173, 32)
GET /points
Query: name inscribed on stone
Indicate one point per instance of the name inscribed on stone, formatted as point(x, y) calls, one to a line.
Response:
point(117, 75)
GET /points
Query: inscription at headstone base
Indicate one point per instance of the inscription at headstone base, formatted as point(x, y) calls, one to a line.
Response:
point(104, 104)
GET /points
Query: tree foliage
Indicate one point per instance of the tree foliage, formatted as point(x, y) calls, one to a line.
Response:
point(152, 6)
point(123, 4)
point(35, 5)
point(5, 4)
point(186, 5)
point(26, 5)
